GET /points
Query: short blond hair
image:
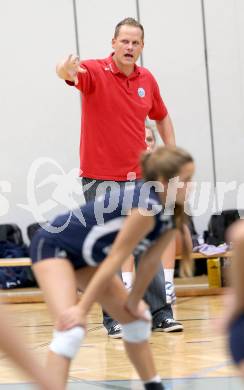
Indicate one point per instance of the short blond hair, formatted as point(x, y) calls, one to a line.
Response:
point(128, 22)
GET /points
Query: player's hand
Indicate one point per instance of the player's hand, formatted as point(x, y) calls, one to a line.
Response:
point(139, 310)
point(72, 66)
point(71, 317)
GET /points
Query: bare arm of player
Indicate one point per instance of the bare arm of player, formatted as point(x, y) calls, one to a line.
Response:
point(12, 343)
point(135, 227)
point(147, 268)
point(233, 300)
point(69, 68)
point(235, 235)
point(166, 130)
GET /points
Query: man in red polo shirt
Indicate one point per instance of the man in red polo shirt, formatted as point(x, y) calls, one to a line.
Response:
point(117, 97)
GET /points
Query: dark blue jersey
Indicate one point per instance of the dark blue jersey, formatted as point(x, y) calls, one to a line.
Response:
point(85, 236)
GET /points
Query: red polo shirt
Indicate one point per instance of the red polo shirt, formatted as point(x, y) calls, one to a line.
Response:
point(114, 109)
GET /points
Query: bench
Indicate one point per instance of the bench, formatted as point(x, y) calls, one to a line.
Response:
point(184, 287)
point(19, 295)
point(199, 286)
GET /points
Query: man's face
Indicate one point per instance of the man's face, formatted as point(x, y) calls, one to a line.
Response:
point(178, 188)
point(185, 177)
point(149, 139)
point(128, 45)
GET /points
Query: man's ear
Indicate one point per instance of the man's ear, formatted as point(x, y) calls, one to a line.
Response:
point(113, 42)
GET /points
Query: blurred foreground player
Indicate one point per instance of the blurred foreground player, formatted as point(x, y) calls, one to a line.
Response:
point(12, 344)
point(92, 253)
point(234, 302)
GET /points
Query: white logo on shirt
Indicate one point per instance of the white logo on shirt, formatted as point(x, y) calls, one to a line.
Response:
point(141, 92)
point(108, 68)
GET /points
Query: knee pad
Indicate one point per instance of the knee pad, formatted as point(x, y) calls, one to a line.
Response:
point(67, 343)
point(136, 331)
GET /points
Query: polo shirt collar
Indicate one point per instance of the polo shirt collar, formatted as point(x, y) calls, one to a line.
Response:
point(116, 70)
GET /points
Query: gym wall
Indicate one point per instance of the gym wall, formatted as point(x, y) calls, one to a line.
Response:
point(40, 116)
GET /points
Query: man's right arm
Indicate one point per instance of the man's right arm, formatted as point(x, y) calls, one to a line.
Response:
point(62, 73)
point(69, 68)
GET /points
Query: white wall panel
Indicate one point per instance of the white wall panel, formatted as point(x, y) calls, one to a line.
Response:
point(225, 32)
point(96, 23)
point(40, 116)
point(174, 53)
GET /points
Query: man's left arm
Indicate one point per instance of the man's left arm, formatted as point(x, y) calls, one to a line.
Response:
point(166, 130)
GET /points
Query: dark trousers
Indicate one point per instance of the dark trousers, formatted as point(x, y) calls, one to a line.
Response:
point(155, 295)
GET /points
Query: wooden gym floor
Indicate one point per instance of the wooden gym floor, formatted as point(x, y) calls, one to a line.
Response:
point(195, 359)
